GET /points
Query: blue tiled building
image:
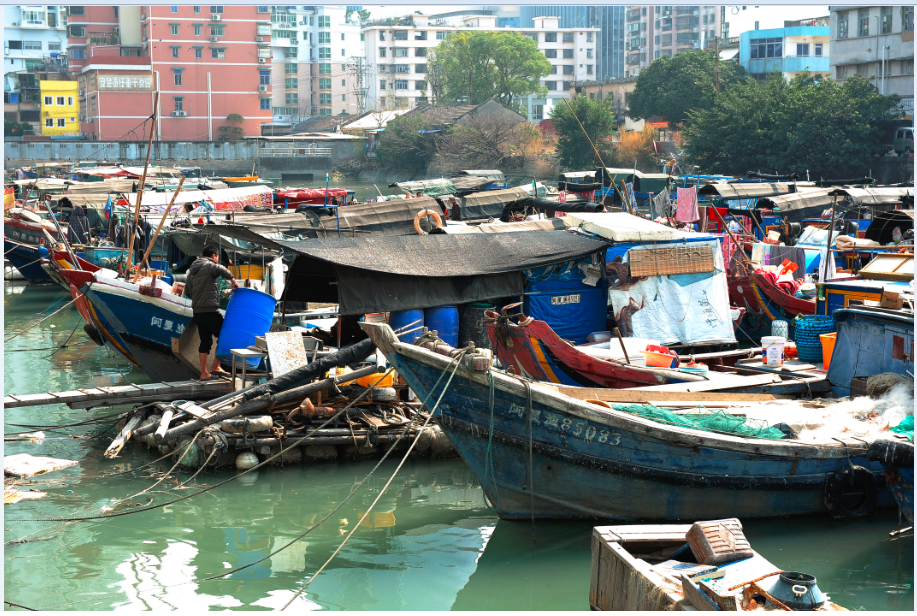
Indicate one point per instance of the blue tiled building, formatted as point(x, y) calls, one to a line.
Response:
point(789, 51)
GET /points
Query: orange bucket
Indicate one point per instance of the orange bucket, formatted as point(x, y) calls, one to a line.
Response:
point(660, 360)
point(827, 348)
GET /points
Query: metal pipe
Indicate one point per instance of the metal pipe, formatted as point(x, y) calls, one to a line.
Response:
point(209, 111)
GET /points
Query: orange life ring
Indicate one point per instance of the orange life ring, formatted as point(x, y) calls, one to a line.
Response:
point(420, 215)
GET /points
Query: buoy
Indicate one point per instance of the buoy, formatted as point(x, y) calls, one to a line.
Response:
point(246, 460)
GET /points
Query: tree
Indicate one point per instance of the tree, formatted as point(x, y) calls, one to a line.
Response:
point(636, 147)
point(573, 149)
point(481, 142)
point(672, 87)
point(231, 132)
point(404, 141)
point(808, 124)
point(17, 129)
point(527, 141)
point(364, 15)
point(474, 66)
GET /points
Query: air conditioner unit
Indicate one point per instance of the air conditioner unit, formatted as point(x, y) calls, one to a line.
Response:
point(91, 120)
point(215, 18)
point(214, 39)
point(262, 89)
point(179, 114)
point(262, 60)
point(259, 39)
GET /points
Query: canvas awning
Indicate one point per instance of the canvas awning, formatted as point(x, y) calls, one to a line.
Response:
point(489, 203)
point(494, 175)
point(383, 274)
point(624, 227)
point(750, 190)
point(882, 195)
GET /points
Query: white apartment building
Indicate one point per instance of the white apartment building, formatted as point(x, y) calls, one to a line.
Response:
point(316, 55)
point(396, 52)
point(34, 37)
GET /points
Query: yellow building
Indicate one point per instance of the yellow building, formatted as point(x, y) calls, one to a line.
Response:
point(59, 108)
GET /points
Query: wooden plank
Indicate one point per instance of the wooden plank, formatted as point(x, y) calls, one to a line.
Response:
point(724, 381)
point(725, 601)
point(697, 598)
point(634, 396)
point(89, 398)
point(124, 435)
point(594, 568)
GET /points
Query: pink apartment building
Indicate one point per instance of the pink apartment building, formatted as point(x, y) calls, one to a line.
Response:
point(207, 62)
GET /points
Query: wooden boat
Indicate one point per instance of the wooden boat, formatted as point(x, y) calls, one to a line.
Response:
point(628, 574)
point(897, 457)
point(27, 259)
point(764, 303)
point(590, 460)
point(532, 349)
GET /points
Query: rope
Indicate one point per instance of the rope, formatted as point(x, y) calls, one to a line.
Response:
point(488, 459)
point(10, 603)
point(39, 322)
point(457, 363)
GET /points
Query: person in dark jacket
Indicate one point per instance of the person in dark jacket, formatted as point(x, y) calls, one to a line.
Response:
point(77, 225)
point(201, 287)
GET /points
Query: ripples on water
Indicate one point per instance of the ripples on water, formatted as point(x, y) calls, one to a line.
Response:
point(431, 543)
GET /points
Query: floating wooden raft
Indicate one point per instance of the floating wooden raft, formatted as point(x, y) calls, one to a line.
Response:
point(124, 394)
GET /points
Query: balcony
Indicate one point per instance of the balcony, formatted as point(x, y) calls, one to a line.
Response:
point(103, 38)
point(632, 15)
point(283, 42)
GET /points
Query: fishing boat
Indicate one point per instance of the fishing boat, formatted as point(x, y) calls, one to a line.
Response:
point(27, 260)
point(530, 348)
point(541, 454)
point(764, 303)
point(897, 457)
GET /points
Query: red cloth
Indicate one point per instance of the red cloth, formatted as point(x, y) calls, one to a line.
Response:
point(786, 286)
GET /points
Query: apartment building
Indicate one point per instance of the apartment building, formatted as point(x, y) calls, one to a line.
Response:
point(396, 52)
point(34, 48)
point(878, 43)
point(59, 109)
point(317, 61)
point(655, 31)
point(789, 50)
point(206, 62)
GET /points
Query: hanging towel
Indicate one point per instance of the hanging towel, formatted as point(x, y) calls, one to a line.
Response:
point(660, 204)
point(686, 205)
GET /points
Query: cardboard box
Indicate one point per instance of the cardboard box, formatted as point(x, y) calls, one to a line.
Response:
point(891, 299)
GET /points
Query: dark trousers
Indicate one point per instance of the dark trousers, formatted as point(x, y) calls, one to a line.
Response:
point(209, 325)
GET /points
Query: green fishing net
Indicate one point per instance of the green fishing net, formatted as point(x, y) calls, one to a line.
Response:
point(906, 427)
point(224, 291)
point(706, 420)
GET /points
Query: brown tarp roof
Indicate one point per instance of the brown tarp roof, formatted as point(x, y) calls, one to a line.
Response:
point(744, 191)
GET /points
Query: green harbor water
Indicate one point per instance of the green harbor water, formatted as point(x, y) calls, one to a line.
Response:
point(431, 544)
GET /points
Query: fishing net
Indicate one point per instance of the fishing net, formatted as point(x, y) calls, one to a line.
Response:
point(906, 427)
point(708, 421)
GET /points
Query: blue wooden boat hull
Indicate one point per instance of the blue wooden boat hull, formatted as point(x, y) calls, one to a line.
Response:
point(592, 462)
point(27, 259)
point(868, 343)
point(901, 484)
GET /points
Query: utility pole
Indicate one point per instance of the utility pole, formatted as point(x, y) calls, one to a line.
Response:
point(359, 71)
point(716, 60)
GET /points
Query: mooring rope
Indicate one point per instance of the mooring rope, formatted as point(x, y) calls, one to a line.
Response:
point(19, 333)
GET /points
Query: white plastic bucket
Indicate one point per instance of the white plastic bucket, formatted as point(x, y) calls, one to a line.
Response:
point(773, 350)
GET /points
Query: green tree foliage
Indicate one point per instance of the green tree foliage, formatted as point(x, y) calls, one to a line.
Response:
point(232, 131)
point(672, 87)
point(573, 149)
point(832, 130)
point(17, 129)
point(475, 66)
point(364, 15)
point(403, 143)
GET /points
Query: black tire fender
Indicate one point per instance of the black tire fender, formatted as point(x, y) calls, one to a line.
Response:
point(93, 333)
point(839, 483)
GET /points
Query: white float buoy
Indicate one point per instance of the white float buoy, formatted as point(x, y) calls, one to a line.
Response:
point(246, 460)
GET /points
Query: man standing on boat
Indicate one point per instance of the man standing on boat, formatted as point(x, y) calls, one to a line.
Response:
point(201, 287)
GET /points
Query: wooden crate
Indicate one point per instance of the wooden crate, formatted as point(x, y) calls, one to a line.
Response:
point(677, 260)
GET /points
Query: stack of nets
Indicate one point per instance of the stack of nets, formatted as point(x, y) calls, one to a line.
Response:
point(708, 421)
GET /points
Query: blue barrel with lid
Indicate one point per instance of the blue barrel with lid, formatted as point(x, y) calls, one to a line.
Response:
point(248, 314)
point(400, 318)
point(445, 321)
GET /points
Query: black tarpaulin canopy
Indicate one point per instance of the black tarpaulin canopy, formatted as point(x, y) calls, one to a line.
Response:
point(382, 274)
point(548, 205)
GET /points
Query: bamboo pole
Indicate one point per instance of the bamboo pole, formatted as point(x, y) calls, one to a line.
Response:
point(828, 255)
point(146, 165)
point(165, 215)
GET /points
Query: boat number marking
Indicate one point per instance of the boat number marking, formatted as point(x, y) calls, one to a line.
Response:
point(166, 325)
point(580, 428)
point(562, 300)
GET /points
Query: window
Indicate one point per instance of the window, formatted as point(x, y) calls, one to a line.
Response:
point(264, 78)
point(197, 9)
point(550, 53)
point(31, 45)
point(532, 35)
point(568, 53)
point(198, 52)
point(818, 50)
point(401, 84)
point(588, 69)
point(568, 37)
point(420, 36)
point(766, 48)
point(292, 98)
point(802, 49)
point(568, 85)
point(886, 20)
point(401, 52)
point(324, 21)
point(420, 68)
point(324, 98)
point(175, 51)
point(291, 83)
point(216, 10)
point(537, 112)
point(343, 97)
point(77, 54)
point(381, 35)
point(174, 28)
point(907, 18)
point(217, 53)
point(324, 83)
point(179, 103)
point(589, 53)
point(343, 83)
point(324, 111)
point(420, 85)
point(863, 22)
point(362, 37)
point(400, 35)
point(907, 67)
point(217, 30)
point(420, 52)
point(568, 69)
point(841, 72)
point(381, 84)
point(440, 35)
point(174, 9)
point(78, 31)
point(53, 46)
point(290, 68)
point(553, 69)
point(589, 37)
point(60, 101)
point(324, 38)
point(197, 29)
point(550, 37)
point(324, 53)
point(177, 78)
point(382, 52)
point(49, 101)
point(61, 123)
point(261, 9)
point(70, 101)
point(49, 122)
point(265, 102)
point(550, 85)
point(842, 17)
point(77, 10)
point(402, 68)
point(324, 69)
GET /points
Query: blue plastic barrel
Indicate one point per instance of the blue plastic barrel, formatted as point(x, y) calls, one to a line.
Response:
point(248, 314)
point(400, 318)
point(445, 321)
